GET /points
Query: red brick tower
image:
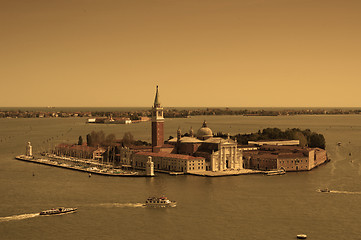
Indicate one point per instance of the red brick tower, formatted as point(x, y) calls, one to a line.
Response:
point(157, 124)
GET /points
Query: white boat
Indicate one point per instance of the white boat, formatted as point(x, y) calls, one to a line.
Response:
point(301, 236)
point(159, 202)
point(176, 173)
point(60, 210)
point(276, 172)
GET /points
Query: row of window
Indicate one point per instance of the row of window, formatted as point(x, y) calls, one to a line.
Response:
point(192, 168)
point(296, 161)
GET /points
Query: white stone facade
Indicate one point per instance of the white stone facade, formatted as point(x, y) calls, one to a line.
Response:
point(228, 156)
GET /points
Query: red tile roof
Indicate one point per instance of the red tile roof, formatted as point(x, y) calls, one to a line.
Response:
point(169, 155)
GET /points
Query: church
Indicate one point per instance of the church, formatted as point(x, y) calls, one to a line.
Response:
point(193, 153)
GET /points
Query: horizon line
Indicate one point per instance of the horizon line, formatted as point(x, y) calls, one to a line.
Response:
point(52, 107)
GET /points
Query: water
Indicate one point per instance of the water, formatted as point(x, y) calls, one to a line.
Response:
point(238, 207)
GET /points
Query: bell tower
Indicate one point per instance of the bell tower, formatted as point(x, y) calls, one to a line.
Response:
point(157, 124)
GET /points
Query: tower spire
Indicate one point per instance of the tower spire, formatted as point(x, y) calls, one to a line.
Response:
point(156, 100)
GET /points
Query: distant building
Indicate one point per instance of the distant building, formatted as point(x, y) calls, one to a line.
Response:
point(169, 162)
point(98, 154)
point(92, 120)
point(290, 158)
point(280, 142)
point(220, 154)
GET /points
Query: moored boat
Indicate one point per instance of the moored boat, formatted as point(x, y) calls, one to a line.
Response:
point(275, 172)
point(159, 202)
point(60, 210)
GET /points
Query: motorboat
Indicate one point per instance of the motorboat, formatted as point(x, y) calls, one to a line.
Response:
point(301, 236)
point(176, 173)
point(159, 202)
point(325, 190)
point(276, 172)
point(59, 210)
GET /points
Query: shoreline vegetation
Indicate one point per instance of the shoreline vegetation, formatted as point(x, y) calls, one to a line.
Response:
point(171, 112)
point(306, 137)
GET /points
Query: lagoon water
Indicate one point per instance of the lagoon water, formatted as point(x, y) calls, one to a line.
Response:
point(239, 207)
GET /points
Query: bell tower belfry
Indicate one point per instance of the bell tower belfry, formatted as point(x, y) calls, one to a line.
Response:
point(157, 124)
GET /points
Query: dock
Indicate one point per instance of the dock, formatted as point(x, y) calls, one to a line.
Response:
point(91, 170)
point(226, 173)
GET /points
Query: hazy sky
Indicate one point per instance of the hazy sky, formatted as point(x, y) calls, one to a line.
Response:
point(236, 53)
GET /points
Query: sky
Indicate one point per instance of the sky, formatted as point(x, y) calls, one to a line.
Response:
point(210, 53)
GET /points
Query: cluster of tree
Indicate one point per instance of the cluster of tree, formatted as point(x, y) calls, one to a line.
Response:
point(306, 137)
point(99, 138)
point(95, 139)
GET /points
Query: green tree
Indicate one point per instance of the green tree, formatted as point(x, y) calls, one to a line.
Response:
point(89, 140)
point(128, 138)
point(80, 140)
point(110, 140)
point(97, 138)
point(317, 140)
point(297, 135)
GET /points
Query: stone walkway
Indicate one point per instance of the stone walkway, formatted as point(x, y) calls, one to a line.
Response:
point(227, 173)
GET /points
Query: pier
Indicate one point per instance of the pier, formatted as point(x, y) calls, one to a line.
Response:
point(82, 168)
point(227, 173)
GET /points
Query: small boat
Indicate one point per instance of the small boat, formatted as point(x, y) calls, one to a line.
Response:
point(159, 202)
point(301, 236)
point(276, 172)
point(176, 173)
point(325, 190)
point(60, 210)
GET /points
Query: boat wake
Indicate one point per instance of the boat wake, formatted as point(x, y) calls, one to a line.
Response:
point(121, 205)
point(344, 192)
point(340, 192)
point(18, 217)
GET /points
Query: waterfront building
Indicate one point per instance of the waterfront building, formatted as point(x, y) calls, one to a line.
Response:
point(169, 162)
point(220, 154)
point(98, 154)
point(290, 158)
point(124, 157)
point(280, 142)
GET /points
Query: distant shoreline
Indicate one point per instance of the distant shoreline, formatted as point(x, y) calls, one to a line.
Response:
point(136, 114)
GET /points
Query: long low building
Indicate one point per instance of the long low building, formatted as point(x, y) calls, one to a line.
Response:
point(169, 162)
point(279, 142)
point(290, 158)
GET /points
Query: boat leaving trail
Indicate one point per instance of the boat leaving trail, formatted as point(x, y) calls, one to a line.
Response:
point(119, 205)
point(159, 202)
point(56, 211)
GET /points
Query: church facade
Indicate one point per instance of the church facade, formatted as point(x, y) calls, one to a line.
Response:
point(220, 154)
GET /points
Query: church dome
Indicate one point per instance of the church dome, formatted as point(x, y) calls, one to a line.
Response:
point(204, 132)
